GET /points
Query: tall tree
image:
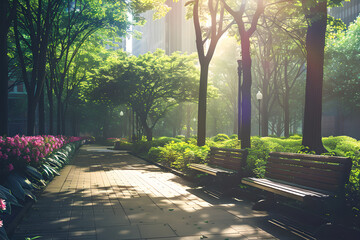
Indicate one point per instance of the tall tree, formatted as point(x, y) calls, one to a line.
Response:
point(316, 16)
point(7, 12)
point(161, 82)
point(150, 84)
point(278, 63)
point(32, 27)
point(206, 36)
point(245, 35)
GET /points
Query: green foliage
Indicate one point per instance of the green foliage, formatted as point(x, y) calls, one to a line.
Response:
point(179, 154)
point(341, 69)
point(182, 137)
point(220, 137)
point(341, 144)
point(295, 136)
point(142, 147)
point(122, 144)
point(233, 136)
point(151, 84)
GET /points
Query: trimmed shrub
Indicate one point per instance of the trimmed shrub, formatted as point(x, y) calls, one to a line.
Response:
point(220, 137)
point(179, 154)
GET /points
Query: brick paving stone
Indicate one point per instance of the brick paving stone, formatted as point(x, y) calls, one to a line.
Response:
point(105, 194)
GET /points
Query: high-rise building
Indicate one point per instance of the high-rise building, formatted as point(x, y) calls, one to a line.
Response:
point(170, 33)
point(348, 12)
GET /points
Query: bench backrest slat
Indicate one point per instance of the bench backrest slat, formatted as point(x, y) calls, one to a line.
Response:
point(233, 159)
point(326, 173)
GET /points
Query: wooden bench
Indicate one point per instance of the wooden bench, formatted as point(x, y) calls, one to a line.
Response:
point(303, 177)
point(223, 162)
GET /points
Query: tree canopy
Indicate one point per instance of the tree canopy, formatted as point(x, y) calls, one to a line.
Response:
point(151, 84)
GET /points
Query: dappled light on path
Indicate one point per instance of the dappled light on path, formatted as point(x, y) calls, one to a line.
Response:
point(107, 194)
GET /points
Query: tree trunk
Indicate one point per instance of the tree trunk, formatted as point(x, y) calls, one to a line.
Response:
point(239, 100)
point(188, 121)
point(147, 129)
point(31, 107)
point(4, 28)
point(63, 118)
point(148, 132)
point(58, 117)
point(286, 115)
point(42, 113)
point(278, 126)
point(246, 92)
point(264, 109)
point(315, 42)
point(51, 107)
point(201, 128)
point(74, 123)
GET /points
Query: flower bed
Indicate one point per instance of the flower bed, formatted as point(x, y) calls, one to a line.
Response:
point(28, 163)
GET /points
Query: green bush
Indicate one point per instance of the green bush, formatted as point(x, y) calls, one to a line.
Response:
point(181, 137)
point(179, 154)
point(234, 136)
point(339, 143)
point(295, 136)
point(154, 154)
point(220, 137)
point(142, 147)
point(122, 145)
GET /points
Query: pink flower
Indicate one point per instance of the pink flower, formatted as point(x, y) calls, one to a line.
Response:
point(10, 167)
point(2, 204)
point(1, 223)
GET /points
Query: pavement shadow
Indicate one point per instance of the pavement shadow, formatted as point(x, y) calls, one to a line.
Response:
point(113, 195)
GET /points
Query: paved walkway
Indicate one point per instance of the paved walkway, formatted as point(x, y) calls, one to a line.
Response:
point(108, 195)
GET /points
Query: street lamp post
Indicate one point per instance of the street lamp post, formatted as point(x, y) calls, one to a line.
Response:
point(259, 96)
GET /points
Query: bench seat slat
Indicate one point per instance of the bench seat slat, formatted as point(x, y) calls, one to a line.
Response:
point(292, 191)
